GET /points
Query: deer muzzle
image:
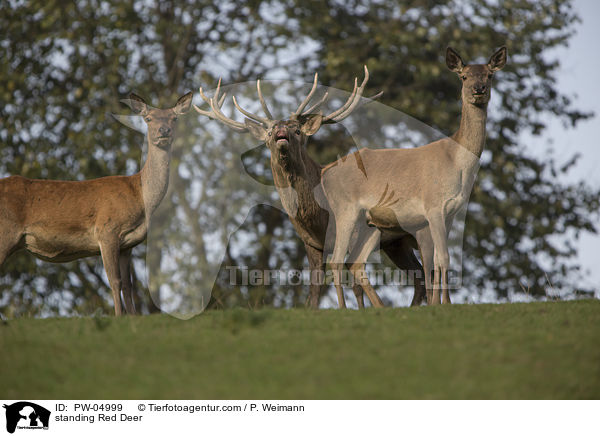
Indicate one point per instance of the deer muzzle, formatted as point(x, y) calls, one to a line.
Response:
point(282, 139)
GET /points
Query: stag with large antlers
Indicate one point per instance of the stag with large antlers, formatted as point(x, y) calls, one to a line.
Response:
point(60, 221)
point(415, 191)
point(296, 176)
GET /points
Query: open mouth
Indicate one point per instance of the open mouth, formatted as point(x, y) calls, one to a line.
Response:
point(282, 138)
point(282, 141)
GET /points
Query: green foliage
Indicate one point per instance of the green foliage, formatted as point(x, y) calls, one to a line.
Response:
point(513, 351)
point(67, 64)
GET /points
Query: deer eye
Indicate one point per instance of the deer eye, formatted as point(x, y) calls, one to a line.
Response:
point(270, 133)
point(148, 119)
point(490, 75)
point(174, 118)
point(297, 131)
point(463, 77)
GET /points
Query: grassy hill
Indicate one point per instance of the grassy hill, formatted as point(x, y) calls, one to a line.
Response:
point(535, 350)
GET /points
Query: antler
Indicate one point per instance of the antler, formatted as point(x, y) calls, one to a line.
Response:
point(352, 102)
point(314, 107)
point(347, 108)
point(266, 121)
point(298, 111)
point(215, 104)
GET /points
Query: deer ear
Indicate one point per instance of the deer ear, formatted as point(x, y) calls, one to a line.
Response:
point(453, 61)
point(498, 60)
point(183, 104)
point(137, 104)
point(312, 124)
point(257, 130)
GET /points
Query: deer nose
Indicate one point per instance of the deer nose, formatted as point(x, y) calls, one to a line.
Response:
point(479, 89)
point(164, 130)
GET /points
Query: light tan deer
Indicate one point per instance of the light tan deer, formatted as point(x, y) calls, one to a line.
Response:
point(415, 191)
point(296, 176)
point(60, 221)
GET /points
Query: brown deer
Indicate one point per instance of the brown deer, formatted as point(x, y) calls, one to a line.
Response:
point(60, 221)
point(296, 176)
point(415, 191)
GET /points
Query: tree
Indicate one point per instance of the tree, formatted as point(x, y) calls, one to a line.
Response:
point(68, 64)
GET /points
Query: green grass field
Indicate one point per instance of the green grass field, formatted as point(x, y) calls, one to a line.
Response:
point(536, 350)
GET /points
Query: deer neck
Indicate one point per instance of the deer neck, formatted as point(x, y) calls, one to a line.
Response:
point(471, 133)
point(296, 173)
point(155, 177)
point(295, 183)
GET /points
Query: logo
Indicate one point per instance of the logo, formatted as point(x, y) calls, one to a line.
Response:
point(26, 415)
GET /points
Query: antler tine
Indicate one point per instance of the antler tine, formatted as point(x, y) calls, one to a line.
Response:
point(263, 120)
point(207, 100)
point(360, 104)
point(215, 102)
point(312, 109)
point(237, 126)
point(205, 113)
point(262, 101)
point(308, 97)
point(376, 96)
point(204, 97)
point(345, 105)
point(225, 95)
point(223, 118)
point(352, 102)
point(356, 99)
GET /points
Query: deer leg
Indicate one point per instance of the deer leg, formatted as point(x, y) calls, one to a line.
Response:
point(125, 270)
point(415, 267)
point(358, 258)
point(109, 249)
point(359, 294)
point(441, 258)
point(343, 232)
point(401, 253)
point(425, 243)
point(443, 280)
point(317, 276)
point(446, 295)
point(337, 280)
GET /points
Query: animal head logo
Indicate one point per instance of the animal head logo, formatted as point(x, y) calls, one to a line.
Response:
point(26, 415)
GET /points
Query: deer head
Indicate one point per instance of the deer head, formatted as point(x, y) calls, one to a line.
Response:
point(476, 78)
point(161, 122)
point(285, 138)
